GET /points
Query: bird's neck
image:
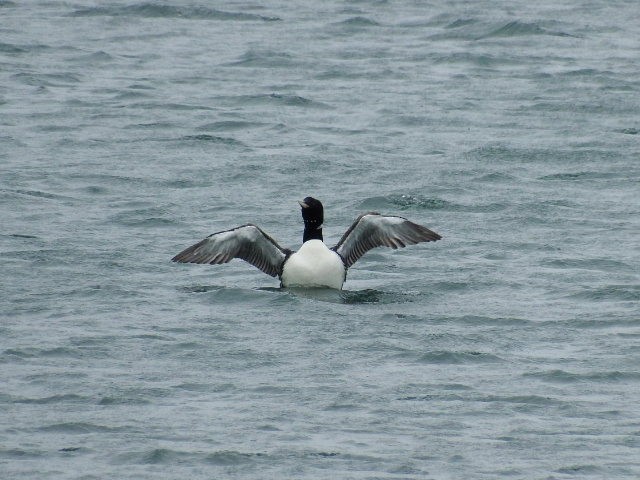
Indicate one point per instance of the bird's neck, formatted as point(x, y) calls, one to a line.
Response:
point(312, 231)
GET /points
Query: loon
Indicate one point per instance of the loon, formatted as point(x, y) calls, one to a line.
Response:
point(314, 264)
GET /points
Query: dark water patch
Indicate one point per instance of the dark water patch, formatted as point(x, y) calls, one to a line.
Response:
point(562, 376)
point(95, 190)
point(201, 387)
point(402, 317)
point(587, 469)
point(21, 454)
point(609, 293)
point(419, 202)
point(338, 131)
point(457, 358)
point(482, 320)
point(99, 57)
point(358, 21)
point(143, 218)
point(448, 286)
point(20, 235)
point(123, 400)
point(230, 458)
point(202, 288)
point(215, 139)
point(230, 125)
point(78, 428)
point(496, 177)
point(406, 202)
point(264, 58)
point(517, 28)
point(32, 352)
point(461, 22)
point(9, 48)
point(571, 176)
point(351, 297)
point(477, 59)
point(47, 79)
point(163, 456)
point(536, 400)
point(440, 397)
point(38, 194)
point(598, 264)
point(151, 126)
point(53, 399)
point(197, 182)
point(236, 295)
point(273, 99)
point(152, 10)
point(73, 449)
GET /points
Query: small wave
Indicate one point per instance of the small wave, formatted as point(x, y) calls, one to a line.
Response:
point(614, 293)
point(77, 427)
point(214, 139)
point(358, 22)
point(230, 125)
point(407, 201)
point(123, 400)
point(458, 358)
point(19, 453)
point(32, 352)
point(150, 10)
point(295, 101)
point(231, 457)
point(518, 28)
point(523, 399)
point(67, 398)
point(461, 22)
point(350, 297)
point(263, 58)
point(562, 376)
point(47, 79)
point(279, 99)
point(599, 264)
point(9, 48)
point(578, 176)
point(420, 202)
point(581, 470)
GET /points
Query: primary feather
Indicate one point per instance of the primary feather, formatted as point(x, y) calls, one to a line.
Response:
point(247, 242)
point(371, 230)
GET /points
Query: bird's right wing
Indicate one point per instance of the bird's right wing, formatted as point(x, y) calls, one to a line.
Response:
point(247, 242)
point(371, 230)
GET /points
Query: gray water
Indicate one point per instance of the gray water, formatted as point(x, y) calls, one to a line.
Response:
point(130, 130)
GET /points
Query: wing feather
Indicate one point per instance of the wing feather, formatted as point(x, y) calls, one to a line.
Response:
point(371, 230)
point(247, 242)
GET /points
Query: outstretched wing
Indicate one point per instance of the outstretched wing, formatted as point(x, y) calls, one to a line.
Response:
point(246, 242)
point(371, 230)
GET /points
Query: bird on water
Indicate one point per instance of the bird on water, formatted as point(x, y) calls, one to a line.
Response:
point(314, 264)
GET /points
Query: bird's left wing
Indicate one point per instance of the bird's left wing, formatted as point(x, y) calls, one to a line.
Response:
point(247, 242)
point(371, 230)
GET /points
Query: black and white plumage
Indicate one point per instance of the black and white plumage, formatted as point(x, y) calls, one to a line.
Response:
point(314, 264)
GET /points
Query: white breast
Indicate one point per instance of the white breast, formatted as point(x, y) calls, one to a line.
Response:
point(314, 265)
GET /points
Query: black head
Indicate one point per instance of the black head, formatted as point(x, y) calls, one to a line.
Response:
point(313, 216)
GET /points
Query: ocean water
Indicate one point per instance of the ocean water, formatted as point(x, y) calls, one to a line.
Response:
point(131, 129)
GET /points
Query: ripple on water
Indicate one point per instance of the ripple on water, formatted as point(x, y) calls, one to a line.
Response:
point(562, 376)
point(405, 201)
point(458, 358)
point(151, 10)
